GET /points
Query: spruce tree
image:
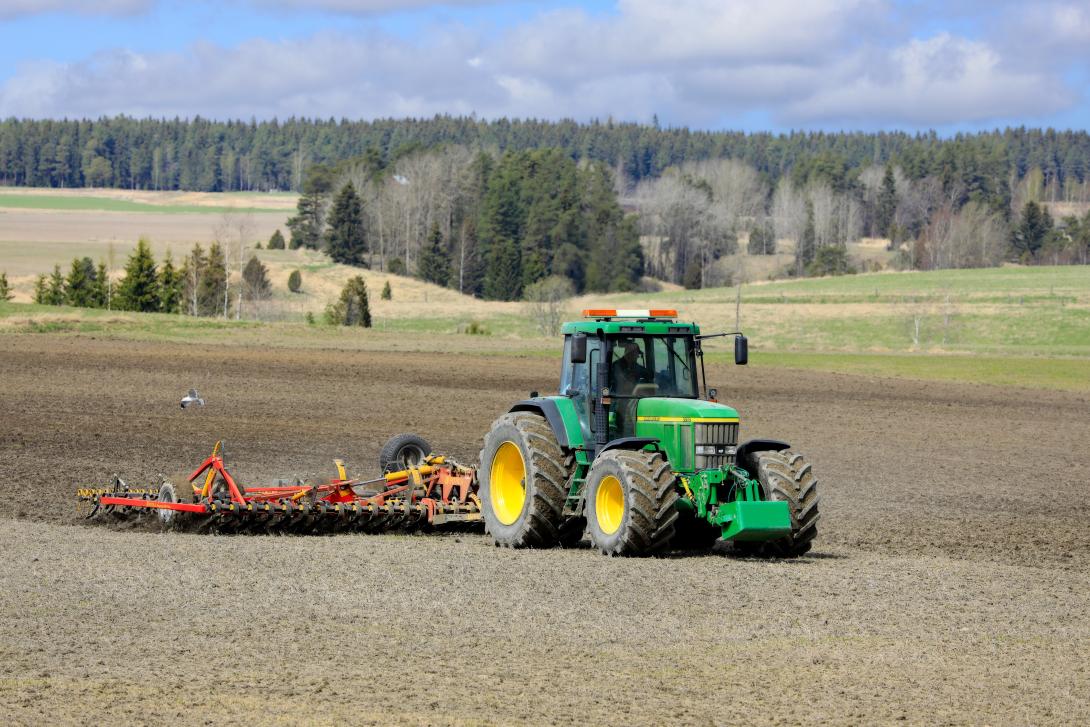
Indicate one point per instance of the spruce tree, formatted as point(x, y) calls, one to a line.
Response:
point(80, 283)
point(433, 265)
point(503, 276)
point(255, 280)
point(55, 293)
point(213, 283)
point(5, 289)
point(353, 308)
point(139, 289)
point(387, 292)
point(41, 290)
point(276, 242)
point(805, 247)
point(887, 204)
point(100, 291)
point(346, 240)
point(171, 286)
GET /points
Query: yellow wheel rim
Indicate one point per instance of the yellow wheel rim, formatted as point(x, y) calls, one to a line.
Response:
point(609, 504)
point(507, 485)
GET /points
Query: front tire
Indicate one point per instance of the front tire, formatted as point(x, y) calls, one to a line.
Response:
point(523, 480)
point(630, 503)
point(786, 476)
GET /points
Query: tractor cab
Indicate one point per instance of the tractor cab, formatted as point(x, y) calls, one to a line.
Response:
point(620, 357)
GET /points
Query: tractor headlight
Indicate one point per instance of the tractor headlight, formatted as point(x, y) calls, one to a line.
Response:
point(710, 450)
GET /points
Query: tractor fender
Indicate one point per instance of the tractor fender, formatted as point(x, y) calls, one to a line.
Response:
point(628, 443)
point(549, 408)
point(752, 446)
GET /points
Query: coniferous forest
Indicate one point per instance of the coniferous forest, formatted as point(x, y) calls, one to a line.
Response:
point(492, 208)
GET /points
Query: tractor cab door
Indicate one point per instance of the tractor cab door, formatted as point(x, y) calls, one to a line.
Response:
point(575, 383)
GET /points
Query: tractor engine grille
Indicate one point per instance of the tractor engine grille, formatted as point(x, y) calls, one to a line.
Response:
point(715, 445)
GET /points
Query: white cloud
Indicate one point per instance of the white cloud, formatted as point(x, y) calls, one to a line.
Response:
point(698, 62)
point(938, 81)
point(21, 8)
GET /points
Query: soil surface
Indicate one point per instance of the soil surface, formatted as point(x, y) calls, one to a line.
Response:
point(950, 582)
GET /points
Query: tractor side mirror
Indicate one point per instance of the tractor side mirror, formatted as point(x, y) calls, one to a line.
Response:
point(579, 348)
point(741, 350)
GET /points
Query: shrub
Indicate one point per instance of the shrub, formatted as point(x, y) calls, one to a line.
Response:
point(387, 294)
point(353, 308)
point(295, 281)
point(396, 266)
point(276, 242)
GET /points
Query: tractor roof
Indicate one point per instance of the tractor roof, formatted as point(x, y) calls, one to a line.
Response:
point(648, 321)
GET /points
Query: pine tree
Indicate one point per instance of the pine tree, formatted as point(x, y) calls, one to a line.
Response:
point(55, 293)
point(6, 294)
point(387, 293)
point(433, 265)
point(41, 290)
point(887, 204)
point(276, 242)
point(306, 225)
point(80, 284)
point(295, 281)
point(139, 289)
point(345, 240)
point(353, 308)
point(255, 280)
point(171, 286)
point(213, 283)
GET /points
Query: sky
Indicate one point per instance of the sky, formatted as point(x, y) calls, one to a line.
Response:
point(752, 65)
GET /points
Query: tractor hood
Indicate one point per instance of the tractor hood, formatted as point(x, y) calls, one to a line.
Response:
point(654, 409)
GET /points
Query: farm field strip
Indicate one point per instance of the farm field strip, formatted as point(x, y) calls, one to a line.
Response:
point(948, 566)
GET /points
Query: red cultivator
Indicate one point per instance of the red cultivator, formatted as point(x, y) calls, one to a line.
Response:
point(427, 490)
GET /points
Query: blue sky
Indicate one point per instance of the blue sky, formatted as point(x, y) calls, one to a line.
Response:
point(958, 65)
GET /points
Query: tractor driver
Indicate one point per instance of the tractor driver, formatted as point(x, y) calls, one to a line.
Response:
point(626, 371)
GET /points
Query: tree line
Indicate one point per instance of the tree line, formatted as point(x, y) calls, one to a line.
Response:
point(483, 225)
point(205, 155)
point(200, 286)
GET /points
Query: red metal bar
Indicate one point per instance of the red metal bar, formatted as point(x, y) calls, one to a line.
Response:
point(134, 502)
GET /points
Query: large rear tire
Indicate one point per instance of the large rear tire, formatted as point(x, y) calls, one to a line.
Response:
point(787, 476)
point(630, 503)
point(523, 478)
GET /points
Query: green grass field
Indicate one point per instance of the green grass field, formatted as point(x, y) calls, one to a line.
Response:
point(103, 204)
point(1026, 327)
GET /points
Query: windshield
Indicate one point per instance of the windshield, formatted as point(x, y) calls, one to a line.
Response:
point(642, 366)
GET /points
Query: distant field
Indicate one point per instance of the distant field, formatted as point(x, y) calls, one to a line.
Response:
point(44, 202)
point(996, 324)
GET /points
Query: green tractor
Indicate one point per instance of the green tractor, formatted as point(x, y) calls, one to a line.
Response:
point(634, 454)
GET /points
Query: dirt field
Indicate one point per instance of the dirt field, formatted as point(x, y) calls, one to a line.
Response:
point(950, 582)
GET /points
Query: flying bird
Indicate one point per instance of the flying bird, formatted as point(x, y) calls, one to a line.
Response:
point(192, 398)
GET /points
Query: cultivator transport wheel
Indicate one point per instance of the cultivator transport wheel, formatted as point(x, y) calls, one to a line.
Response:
point(787, 476)
point(522, 480)
point(403, 451)
point(167, 494)
point(630, 503)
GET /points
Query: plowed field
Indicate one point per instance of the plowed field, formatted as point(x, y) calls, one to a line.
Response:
point(950, 582)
